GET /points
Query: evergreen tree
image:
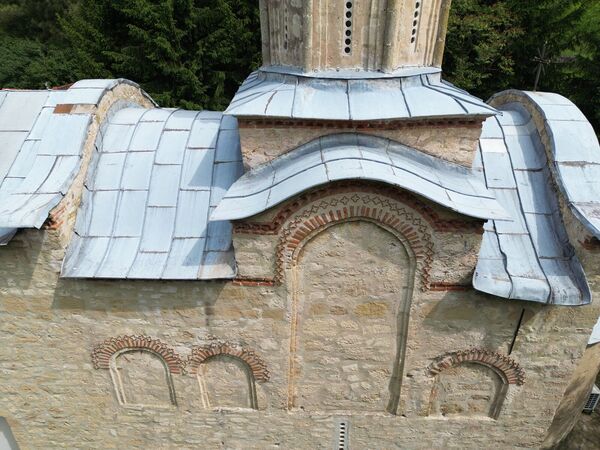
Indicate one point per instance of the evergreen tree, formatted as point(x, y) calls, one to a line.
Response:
point(188, 53)
point(479, 56)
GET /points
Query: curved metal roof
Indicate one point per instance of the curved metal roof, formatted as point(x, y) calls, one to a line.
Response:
point(353, 156)
point(288, 95)
point(575, 151)
point(41, 150)
point(529, 258)
point(153, 181)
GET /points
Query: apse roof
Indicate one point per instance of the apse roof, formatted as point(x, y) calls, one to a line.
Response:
point(155, 177)
point(288, 95)
point(529, 258)
point(351, 156)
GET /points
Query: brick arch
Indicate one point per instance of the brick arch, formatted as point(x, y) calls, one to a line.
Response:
point(410, 228)
point(201, 354)
point(102, 353)
point(510, 371)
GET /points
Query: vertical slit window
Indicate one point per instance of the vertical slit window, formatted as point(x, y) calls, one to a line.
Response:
point(416, 23)
point(348, 19)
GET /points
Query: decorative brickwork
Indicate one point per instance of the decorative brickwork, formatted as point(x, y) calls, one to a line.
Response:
point(360, 125)
point(505, 366)
point(202, 354)
point(411, 200)
point(253, 282)
point(102, 353)
point(356, 206)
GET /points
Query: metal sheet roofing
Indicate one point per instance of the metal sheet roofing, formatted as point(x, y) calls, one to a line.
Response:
point(270, 94)
point(353, 156)
point(41, 150)
point(154, 179)
point(529, 258)
point(575, 151)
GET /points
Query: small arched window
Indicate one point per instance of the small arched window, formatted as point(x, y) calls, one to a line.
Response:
point(140, 368)
point(227, 375)
point(472, 383)
point(142, 378)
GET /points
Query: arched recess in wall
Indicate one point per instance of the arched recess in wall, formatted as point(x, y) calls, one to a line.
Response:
point(227, 375)
point(350, 261)
point(141, 370)
point(472, 383)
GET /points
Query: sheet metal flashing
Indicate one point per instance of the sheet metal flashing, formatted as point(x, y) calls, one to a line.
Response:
point(574, 149)
point(154, 179)
point(529, 258)
point(300, 96)
point(354, 156)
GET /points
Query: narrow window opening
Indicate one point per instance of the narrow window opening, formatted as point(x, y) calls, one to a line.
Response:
point(416, 23)
point(285, 27)
point(347, 44)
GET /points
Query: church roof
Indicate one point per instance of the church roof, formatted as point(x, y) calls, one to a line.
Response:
point(163, 184)
point(271, 94)
point(155, 177)
point(529, 258)
point(351, 156)
point(41, 149)
point(575, 152)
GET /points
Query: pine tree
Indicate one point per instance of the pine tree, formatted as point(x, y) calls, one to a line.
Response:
point(185, 53)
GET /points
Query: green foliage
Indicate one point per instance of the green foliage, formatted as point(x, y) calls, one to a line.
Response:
point(186, 53)
point(478, 55)
point(195, 53)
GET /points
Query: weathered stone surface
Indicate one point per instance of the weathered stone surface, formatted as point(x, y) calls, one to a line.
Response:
point(456, 143)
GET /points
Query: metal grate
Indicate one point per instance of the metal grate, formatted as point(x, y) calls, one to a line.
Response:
point(343, 435)
point(593, 401)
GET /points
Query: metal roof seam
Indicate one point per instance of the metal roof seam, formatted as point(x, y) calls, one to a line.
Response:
point(522, 210)
point(410, 114)
point(162, 274)
point(428, 86)
point(120, 196)
point(145, 214)
point(29, 132)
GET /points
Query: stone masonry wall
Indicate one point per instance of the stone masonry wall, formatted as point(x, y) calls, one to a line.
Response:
point(457, 143)
point(55, 395)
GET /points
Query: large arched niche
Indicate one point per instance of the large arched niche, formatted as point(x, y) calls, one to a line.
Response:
point(351, 280)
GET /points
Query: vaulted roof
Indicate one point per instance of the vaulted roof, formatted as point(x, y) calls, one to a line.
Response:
point(155, 176)
point(530, 257)
point(351, 156)
point(163, 184)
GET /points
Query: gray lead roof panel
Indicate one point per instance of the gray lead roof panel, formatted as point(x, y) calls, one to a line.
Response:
point(40, 151)
point(144, 212)
point(351, 156)
point(529, 258)
point(285, 95)
point(575, 151)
